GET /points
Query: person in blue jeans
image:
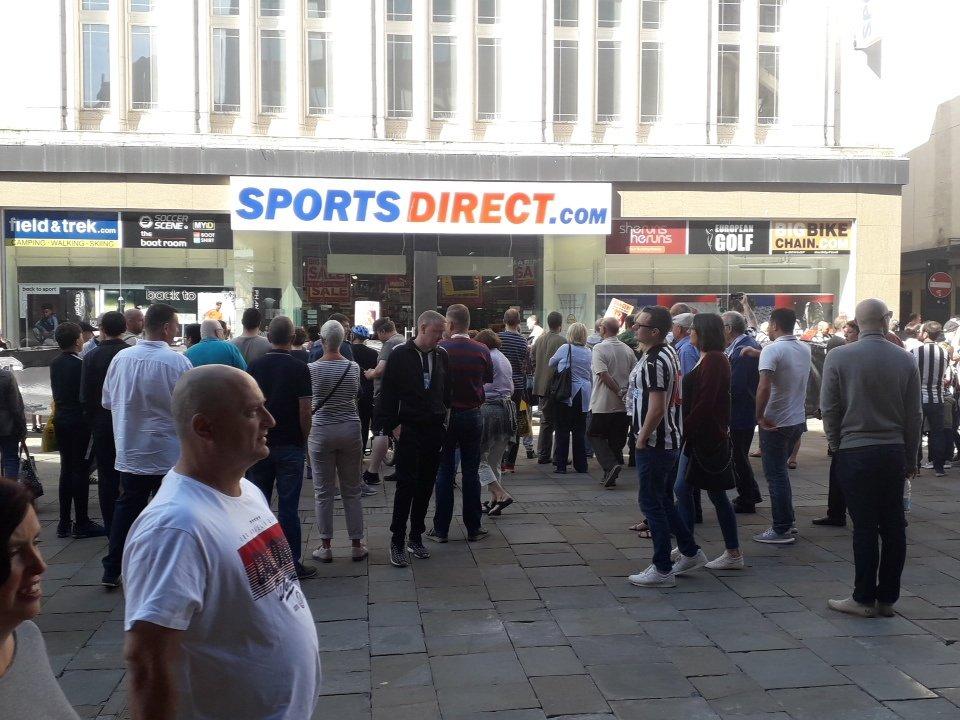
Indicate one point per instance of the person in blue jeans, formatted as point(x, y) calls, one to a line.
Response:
point(471, 367)
point(653, 403)
point(13, 424)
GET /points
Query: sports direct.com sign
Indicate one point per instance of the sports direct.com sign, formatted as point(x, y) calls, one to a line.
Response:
point(405, 206)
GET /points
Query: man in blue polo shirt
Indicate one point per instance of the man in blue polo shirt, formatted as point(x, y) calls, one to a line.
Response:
point(213, 349)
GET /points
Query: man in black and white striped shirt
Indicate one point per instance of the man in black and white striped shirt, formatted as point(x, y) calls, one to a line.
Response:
point(654, 398)
point(934, 373)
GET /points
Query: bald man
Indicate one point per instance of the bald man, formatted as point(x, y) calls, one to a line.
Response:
point(870, 401)
point(134, 319)
point(216, 623)
point(213, 349)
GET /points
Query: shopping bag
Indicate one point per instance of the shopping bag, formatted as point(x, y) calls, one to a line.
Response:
point(28, 472)
point(48, 440)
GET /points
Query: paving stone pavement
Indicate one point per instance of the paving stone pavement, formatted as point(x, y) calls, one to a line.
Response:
point(538, 620)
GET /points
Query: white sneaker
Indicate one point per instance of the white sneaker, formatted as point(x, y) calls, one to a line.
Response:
point(651, 577)
point(323, 554)
point(771, 537)
point(367, 490)
point(927, 466)
point(675, 555)
point(947, 465)
point(726, 562)
point(686, 564)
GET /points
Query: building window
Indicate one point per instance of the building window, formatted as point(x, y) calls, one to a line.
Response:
point(96, 66)
point(226, 7)
point(608, 81)
point(487, 12)
point(400, 10)
point(272, 67)
point(318, 57)
point(399, 76)
point(608, 13)
point(444, 11)
point(271, 8)
point(488, 78)
point(651, 81)
point(316, 9)
point(768, 85)
point(769, 15)
point(565, 81)
point(226, 70)
point(728, 84)
point(565, 13)
point(650, 13)
point(95, 5)
point(141, 6)
point(444, 77)
point(729, 16)
point(143, 68)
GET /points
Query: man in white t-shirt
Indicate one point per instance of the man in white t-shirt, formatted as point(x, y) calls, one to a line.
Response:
point(216, 623)
point(781, 415)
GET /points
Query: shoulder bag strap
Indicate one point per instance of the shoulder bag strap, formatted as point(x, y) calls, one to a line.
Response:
point(335, 388)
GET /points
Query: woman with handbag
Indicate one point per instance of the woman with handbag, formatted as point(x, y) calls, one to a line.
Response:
point(499, 417)
point(13, 425)
point(570, 392)
point(334, 442)
point(706, 461)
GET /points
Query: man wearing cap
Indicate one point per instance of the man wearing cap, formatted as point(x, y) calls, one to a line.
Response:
point(689, 355)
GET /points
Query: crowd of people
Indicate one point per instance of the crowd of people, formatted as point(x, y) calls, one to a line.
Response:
point(190, 447)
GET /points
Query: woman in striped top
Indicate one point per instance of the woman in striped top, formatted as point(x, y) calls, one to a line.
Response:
point(334, 441)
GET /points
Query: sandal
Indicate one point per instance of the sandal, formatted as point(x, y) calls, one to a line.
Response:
point(792, 465)
point(645, 534)
point(639, 527)
point(497, 508)
point(755, 453)
point(486, 507)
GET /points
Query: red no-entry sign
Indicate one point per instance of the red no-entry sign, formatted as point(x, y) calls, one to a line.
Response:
point(940, 285)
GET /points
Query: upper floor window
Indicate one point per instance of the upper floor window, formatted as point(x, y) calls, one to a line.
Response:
point(272, 71)
point(444, 77)
point(650, 13)
point(96, 65)
point(271, 8)
point(565, 13)
point(728, 83)
point(95, 5)
point(226, 70)
point(769, 15)
point(143, 67)
point(141, 6)
point(729, 15)
point(608, 81)
point(488, 12)
point(565, 82)
point(768, 85)
point(399, 76)
point(319, 77)
point(226, 7)
point(608, 13)
point(488, 78)
point(400, 10)
point(651, 82)
point(316, 9)
point(444, 11)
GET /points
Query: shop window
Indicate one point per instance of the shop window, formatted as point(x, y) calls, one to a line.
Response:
point(399, 76)
point(488, 78)
point(444, 11)
point(226, 7)
point(729, 16)
point(316, 9)
point(565, 13)
point(728, 84)
point(565, 81)
point(96, 65)
point(488, 12)
point(608, 81)
point(272, 67)
point(608, 13)
point(650, 14)
point(141, 6)
point(768, 85)
point(226, 70)
point(271, 8)
point(769, 15)
point(318, 49)
point(651, 81)
point(444, 77)
point(143, 67)
point(400, 10)
point(95, 5)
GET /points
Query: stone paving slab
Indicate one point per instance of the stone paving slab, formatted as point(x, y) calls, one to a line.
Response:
point(538, 621)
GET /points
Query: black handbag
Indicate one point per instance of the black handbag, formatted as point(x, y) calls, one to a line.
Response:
point(561, 387)
point(711, 471)
point(28, 473)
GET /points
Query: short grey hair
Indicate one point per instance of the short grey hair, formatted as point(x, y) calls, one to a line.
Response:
point(331, 334)
point(736, 321)
point(210, 329)
point(429, 317)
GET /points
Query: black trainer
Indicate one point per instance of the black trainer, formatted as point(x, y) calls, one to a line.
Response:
point(418, 550)
point(370, 478)
point(398, 556)
point(88, 529)
point(478, 535)
point(431, 534)
point(110, 580)
point(305, 572)
point(63, 530)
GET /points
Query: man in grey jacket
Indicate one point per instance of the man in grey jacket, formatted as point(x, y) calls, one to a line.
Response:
point(870, 401)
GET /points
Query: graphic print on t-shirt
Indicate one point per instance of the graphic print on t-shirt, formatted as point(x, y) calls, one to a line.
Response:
point(267, 560)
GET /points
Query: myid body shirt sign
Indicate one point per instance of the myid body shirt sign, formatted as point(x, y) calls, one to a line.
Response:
point(406, 206)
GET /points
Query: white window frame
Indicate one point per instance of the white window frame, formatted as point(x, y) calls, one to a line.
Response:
point(324, 36)
point(729, 27)
point(561, 21)
point(394, 16)
point(279, 12)
point(558, 116)
point(152, 34)
point(223, 108)
point(393, 112)
point(774, 117)
point(451, 41)
point(650, 45)
point(271, 109)
point(652, 25)
point(777, 6)
point(222, 8)
point(487, 19)
point(94, 104)
point(617, 48)
point(486, 116)
point(323, 10)
point(721, 49)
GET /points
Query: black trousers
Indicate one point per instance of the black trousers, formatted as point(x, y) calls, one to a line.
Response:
point(609, 434)
point(836, 505)
point(572, 427)
point(365, 411)
point(510, 454)
point(417, 457)
point(548, 426)
point(73, 440)
point(872, 480)
point(108, 478)
point(135, 493)
point(748, 492)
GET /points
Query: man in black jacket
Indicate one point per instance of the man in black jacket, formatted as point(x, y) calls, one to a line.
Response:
point(99, 419)
point(414, 399)
point(73, 435)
